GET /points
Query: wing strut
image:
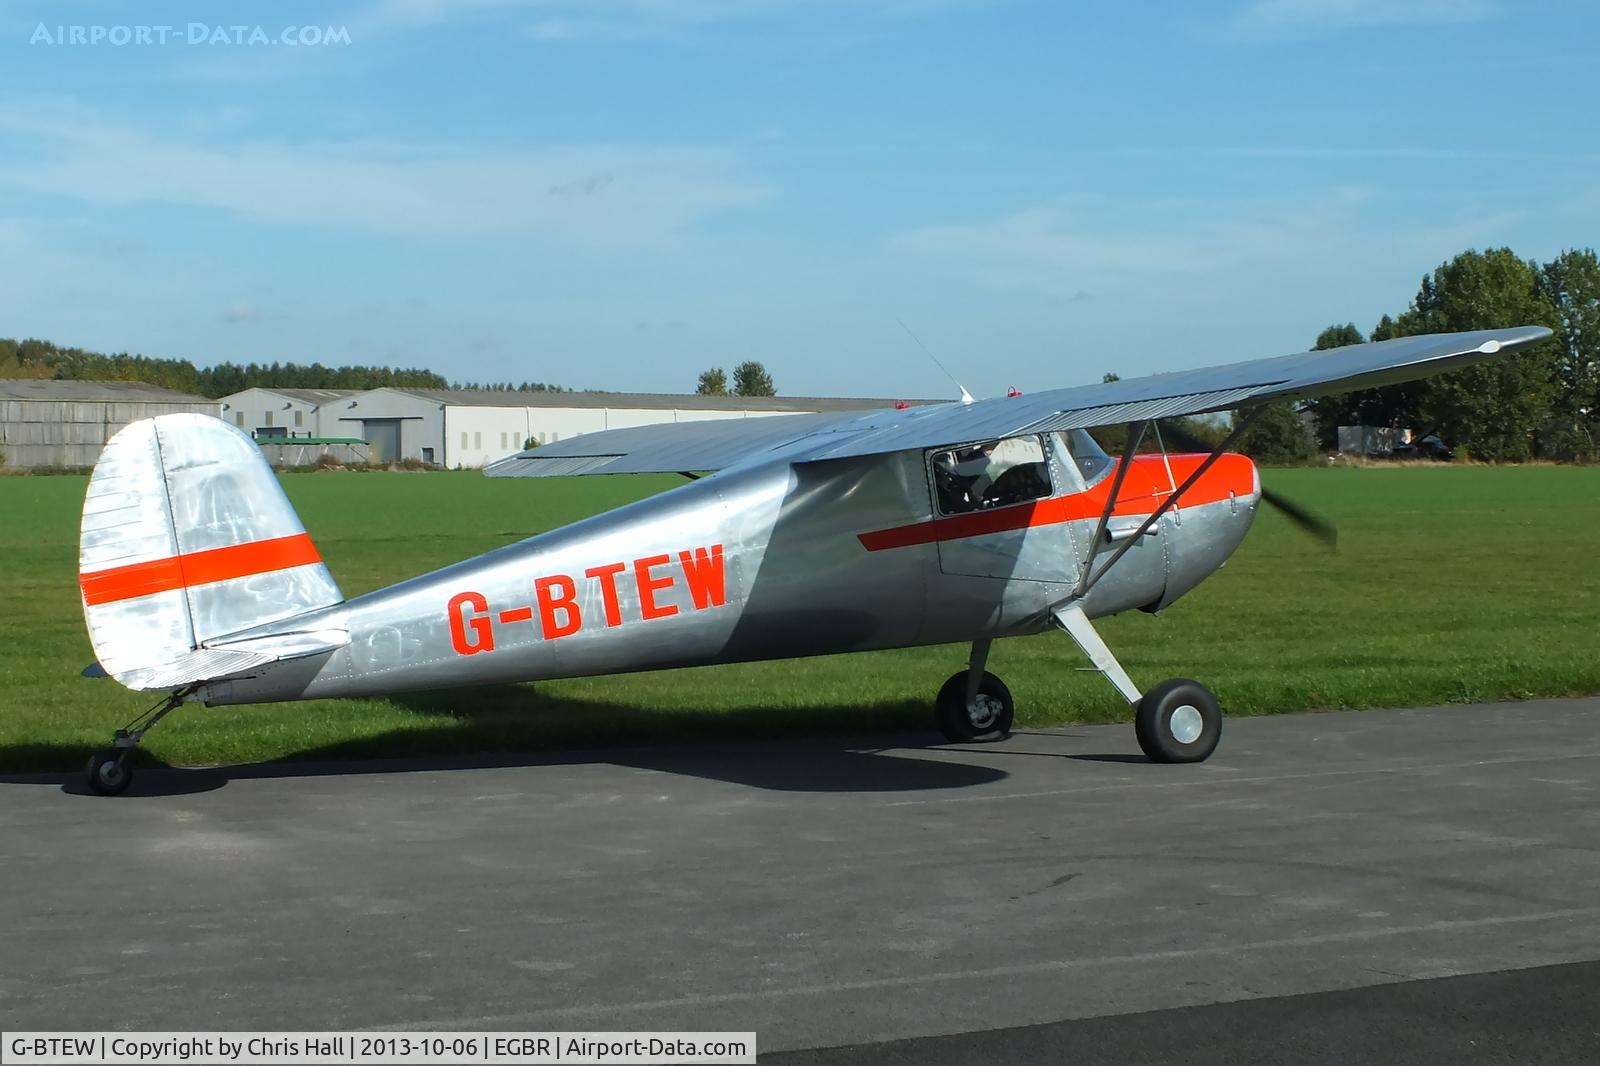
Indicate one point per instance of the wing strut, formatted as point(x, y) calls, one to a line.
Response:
point(1135, 436)
point(1089, 579)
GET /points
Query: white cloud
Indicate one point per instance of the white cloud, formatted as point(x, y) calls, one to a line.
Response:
point(1091, 245)
point(240, 312)
point(629, 194)
point(1287, 18)
point(1055, 239)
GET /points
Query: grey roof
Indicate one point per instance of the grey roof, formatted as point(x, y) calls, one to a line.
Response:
point(313, 396)
point(653, 401)
point(90, 391)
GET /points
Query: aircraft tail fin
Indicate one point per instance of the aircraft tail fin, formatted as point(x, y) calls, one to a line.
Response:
point(188, 539)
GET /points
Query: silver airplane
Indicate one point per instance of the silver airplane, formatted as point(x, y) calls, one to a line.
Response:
point(816, 534)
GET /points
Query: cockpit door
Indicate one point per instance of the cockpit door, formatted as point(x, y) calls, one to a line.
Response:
point(999, 506)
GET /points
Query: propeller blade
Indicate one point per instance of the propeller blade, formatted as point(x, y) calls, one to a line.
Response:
point(1309, 521)
point(1306, 519)
point(1183, 438)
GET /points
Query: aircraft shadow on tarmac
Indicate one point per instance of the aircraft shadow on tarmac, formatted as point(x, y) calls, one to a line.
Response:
point(1108, 756)
point(757, 747)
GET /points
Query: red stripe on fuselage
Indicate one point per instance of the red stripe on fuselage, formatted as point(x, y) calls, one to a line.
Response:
point(1142, 491)
point(197, 568)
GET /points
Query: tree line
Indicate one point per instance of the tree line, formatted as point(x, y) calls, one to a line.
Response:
point(42, 359)
point(1542, 403)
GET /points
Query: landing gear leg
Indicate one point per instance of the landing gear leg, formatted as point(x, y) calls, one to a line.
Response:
point(974, 705)
point(1177, 720)
point(110, 772)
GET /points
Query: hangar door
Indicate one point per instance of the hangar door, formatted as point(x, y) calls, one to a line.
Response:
point(383, 438)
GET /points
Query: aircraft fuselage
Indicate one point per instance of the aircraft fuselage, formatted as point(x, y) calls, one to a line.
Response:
point(769, 561)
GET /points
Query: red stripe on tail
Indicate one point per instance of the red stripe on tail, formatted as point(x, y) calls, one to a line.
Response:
point(197, 568)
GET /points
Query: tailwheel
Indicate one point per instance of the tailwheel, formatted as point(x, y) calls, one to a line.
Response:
point(110, 772)
point(1178, 720)
point(986, 716)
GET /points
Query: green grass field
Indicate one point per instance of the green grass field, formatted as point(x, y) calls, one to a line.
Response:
point(1451, 584)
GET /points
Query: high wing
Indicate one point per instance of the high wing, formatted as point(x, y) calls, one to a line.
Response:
point(806, 438)
point(668, 447)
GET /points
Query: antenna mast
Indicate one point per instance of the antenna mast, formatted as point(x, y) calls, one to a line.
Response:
point(966, 397)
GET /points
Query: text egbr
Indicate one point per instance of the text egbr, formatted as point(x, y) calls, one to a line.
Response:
point(557, 612)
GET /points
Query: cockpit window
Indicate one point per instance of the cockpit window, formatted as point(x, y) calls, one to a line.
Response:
point(996, 473)
point(1092, 460)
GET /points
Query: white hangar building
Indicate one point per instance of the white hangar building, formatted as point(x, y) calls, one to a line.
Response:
point(457, 428)
point(271, 412)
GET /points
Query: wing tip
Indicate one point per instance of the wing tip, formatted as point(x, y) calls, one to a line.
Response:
point(1515, 337)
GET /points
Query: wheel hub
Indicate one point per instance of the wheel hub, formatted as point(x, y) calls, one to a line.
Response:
point(1186, 724)
point(983, 710)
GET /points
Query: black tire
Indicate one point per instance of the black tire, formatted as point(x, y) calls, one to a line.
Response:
point(989, 720)
point(1198, 727)
point(109, 773)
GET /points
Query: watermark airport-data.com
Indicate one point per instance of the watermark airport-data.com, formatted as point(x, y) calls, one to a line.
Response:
point(190, 34)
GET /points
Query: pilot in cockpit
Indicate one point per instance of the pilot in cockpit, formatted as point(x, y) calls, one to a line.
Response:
point(992, 474)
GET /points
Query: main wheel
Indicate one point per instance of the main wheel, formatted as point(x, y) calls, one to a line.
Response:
point(988, 718)
point(109, 773)
point(1178, 721)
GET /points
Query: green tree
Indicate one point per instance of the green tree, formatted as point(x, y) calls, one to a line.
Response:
point(1571, 282)
point(1338, 337)
point(1495, 409)
point(750, 378)
point(713, 382)
point(1278, 436)
point(1386, 329)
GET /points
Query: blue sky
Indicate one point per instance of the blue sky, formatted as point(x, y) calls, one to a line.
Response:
point(620, 193)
